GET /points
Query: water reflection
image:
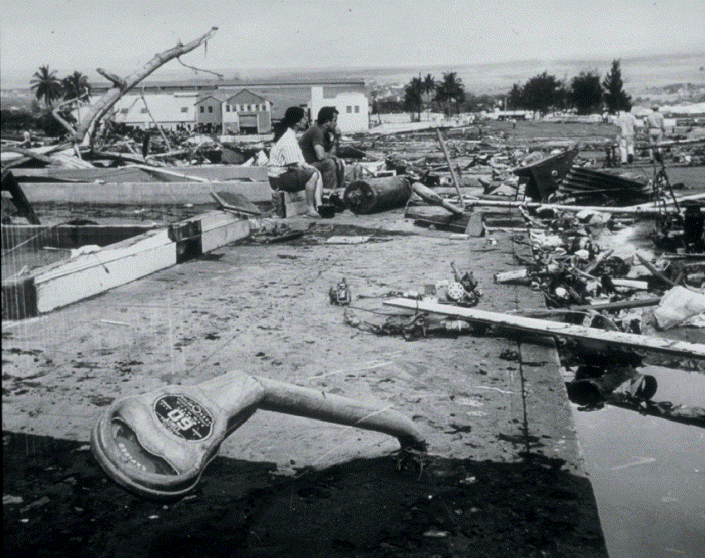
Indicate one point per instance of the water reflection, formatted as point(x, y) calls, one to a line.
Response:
point(648, 473)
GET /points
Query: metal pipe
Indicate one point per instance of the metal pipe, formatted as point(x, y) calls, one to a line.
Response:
point(158, 444)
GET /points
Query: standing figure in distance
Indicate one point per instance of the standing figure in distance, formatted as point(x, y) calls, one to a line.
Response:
point(657, 128)
point(626, 122)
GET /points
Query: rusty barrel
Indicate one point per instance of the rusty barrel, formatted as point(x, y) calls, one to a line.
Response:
point(373, 195)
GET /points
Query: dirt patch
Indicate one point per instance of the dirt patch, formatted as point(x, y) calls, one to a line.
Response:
point(382, 507)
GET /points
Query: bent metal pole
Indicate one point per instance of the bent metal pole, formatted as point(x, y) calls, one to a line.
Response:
point(158, 444)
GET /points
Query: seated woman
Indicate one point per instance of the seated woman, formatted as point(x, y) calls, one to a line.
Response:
point(287, 169)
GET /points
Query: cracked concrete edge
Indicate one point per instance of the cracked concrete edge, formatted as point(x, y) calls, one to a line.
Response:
point(544, 410)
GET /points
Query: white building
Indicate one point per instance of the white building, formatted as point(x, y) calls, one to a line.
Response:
point(353, 108)
point(167, 109)
point(249, 107)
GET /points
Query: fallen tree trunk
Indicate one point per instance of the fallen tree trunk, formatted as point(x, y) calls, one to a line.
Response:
point(557, 329)
point(89, 125)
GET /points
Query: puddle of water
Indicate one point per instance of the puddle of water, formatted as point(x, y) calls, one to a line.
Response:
point(648, 474)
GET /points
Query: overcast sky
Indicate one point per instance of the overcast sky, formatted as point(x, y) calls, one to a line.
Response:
point(124, 34)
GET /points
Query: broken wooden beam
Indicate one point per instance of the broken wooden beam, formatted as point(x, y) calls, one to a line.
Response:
point(683, 414)
point(436, 218)
point(621, 305)
point(168, 175)
point(24, 208)
point(642, 209)
point(655, 271)
point(434, 199)
point(556, 329)
point(521, 274)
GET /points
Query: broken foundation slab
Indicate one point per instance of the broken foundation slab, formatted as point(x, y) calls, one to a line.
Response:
point(146, 193)
point(138, 173)
point(143, 184)
point(94, 272)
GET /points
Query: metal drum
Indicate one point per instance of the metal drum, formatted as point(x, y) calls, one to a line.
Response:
point(377, 194)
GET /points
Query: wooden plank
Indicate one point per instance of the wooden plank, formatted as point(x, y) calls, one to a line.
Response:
point(434, 199)
point(142, 193)
point(289, 204)
point(438, 218)
point(225, 172)
point(235, 202)
point(641, 209)
point(546, 327)
point(453, 175)
point(621, 305)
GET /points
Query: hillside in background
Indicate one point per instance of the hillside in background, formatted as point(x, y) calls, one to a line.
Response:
point(643, 76)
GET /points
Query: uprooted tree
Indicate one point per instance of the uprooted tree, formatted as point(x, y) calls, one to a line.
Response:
point(89, 124)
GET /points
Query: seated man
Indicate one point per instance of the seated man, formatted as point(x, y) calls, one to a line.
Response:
point(319, 145)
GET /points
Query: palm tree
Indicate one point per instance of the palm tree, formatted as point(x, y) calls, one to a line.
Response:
point(46, 85)
point(429, 84)
point(413, 95)
point(76, 86)
point(449, 90)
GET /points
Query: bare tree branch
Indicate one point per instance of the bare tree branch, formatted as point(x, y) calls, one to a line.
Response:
point(199, 69)
point(113, 95)
point(116, 80)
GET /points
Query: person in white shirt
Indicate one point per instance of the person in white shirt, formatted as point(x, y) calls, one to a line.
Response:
point(626, 122)
point(287, 170)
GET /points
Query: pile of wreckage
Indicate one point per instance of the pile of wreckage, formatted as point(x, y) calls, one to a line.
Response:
point(562, 204)
point(470, 183)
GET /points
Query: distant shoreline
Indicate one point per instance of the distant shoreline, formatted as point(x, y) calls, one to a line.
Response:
point(639, 73)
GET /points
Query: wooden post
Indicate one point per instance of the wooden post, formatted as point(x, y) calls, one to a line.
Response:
point(454, 176)
point(166, 140)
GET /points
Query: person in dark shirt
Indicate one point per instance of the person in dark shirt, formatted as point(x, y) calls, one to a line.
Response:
point(319, 145)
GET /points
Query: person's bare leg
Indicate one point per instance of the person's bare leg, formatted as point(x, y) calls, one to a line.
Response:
point(314, 186)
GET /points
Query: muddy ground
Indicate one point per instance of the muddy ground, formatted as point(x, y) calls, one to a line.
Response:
point(503, 476)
